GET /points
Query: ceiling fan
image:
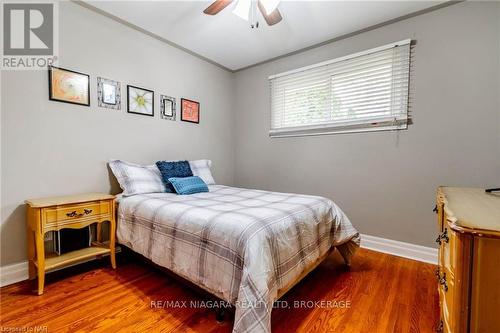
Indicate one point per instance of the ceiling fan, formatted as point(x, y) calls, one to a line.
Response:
point(268, 9)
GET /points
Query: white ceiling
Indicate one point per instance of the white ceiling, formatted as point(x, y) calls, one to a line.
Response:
point(229, 41)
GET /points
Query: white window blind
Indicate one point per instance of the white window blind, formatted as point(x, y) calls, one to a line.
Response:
point(365, 91)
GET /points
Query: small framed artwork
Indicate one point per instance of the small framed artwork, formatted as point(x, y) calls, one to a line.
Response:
point(167, 107)
point(69, 86)
point(140, 101)
point(108, 94)
point(190, 111)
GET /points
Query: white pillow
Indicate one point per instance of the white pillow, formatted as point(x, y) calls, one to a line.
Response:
point(201, 168)
point(137, 179)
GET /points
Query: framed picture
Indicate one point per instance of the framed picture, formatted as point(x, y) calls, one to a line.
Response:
point(167, 107)
point(108, 94)
point(190, 111)
point(69, 86)
point(140, 101)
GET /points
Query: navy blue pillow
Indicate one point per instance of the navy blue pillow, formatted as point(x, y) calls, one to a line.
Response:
point(168, 170)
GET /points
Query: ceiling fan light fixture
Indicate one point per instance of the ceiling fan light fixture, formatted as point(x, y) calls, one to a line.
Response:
point(270, 5)
point(242, 9)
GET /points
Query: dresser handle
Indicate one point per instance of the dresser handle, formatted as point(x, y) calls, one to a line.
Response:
point(442, 281)
point(440, 327)
point(443, 236)
point(75, 214)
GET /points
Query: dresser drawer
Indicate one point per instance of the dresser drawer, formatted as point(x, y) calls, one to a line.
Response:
point(443, 316)
point(66, 214)
point(447, 300)
point(454, 263)
point(440, 213)
point(448, 248)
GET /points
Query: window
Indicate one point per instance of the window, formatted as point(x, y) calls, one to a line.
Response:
point(366, 91)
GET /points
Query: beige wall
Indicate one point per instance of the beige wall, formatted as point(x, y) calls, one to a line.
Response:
point(51, 148)
point(386, 181)
point(498, 78)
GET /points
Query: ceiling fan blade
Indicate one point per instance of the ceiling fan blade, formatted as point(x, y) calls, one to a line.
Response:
point(217, 6)
point(271, 19)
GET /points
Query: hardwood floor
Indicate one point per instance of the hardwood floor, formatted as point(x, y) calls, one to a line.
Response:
point(385, 294)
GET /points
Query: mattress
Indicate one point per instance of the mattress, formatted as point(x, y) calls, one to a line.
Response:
point(241, 245)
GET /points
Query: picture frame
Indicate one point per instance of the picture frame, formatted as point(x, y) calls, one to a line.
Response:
point(68, 86)
point(167, 107)
point(190, 111)
point(140, 101)
point(108, 94)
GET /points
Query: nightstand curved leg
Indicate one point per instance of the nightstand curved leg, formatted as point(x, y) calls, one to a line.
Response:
point(31, 254)
point(40, 258)
point(112, 246)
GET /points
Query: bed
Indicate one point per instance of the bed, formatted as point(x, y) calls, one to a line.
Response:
point(247, 247)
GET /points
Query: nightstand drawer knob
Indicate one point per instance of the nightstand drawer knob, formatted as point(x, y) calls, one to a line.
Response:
point(75, 214)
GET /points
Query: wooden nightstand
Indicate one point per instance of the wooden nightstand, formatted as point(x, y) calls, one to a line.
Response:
point(56, 213)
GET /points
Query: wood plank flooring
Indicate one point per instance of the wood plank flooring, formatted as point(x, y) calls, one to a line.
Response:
point(383, 293)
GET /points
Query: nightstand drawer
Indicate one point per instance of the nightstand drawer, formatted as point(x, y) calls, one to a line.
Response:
point(76, 212)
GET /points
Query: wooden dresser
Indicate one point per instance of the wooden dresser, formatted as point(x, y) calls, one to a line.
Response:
point(469, 260)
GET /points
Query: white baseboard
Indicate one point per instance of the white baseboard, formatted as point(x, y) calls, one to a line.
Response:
point(10, 274)
point(401, 249)
point(13, 273)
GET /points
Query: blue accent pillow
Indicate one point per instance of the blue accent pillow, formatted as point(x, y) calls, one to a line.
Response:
point(173, 169)
point(188, 185)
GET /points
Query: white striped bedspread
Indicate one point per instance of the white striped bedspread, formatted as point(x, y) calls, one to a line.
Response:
point(241, 245)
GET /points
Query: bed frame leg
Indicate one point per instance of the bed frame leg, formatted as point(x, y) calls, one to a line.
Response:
point(219, 315)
